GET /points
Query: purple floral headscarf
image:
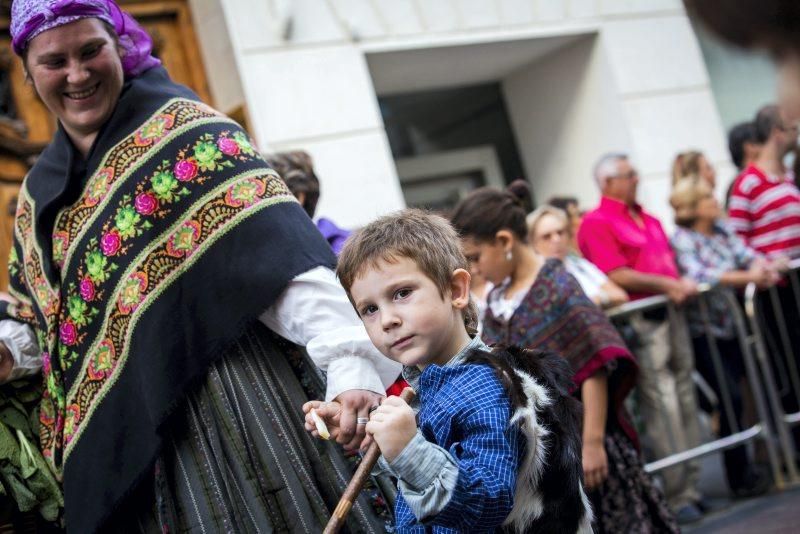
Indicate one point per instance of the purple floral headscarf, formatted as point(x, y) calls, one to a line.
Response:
point(29, 18)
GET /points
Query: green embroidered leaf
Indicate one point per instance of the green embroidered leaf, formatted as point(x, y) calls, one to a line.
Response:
point(126, 221)
point(164, 184)
point(96, 264)
point(206, 154)
point(77, 309)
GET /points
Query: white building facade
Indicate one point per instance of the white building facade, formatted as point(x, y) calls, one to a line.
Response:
point(579, 78)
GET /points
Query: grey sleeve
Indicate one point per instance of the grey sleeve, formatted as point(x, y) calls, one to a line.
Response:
point(428, 475)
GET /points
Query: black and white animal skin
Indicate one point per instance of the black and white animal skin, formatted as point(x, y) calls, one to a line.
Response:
point(549, 495)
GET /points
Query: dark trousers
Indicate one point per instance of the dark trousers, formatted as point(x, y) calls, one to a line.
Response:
point(736, 461)
point(791, 316)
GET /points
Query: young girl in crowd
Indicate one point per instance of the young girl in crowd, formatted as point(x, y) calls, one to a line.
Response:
point(536, 304)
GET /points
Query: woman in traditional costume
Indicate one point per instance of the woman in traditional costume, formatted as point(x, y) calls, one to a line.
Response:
point(156, 261)
point(537, 304)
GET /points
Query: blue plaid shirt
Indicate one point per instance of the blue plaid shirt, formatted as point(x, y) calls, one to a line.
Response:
point(459, 472)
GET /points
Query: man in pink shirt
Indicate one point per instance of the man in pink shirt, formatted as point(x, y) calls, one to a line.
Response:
point(630, 246)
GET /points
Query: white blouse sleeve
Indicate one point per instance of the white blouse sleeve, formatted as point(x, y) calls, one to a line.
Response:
point(314, 311)
point(21, 343)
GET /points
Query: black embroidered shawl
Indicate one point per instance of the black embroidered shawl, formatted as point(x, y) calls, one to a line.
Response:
point(556, 315)
point(136, 269)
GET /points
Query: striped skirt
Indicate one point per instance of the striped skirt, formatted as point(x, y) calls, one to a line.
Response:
point(237, 459)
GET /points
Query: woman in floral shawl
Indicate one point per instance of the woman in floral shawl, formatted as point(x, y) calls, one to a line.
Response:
point(156, 261)
point(537, 304)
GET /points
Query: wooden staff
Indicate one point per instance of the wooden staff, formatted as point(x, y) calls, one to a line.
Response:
point(360, 478)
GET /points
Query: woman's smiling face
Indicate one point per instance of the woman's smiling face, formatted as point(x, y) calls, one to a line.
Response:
point(77, 71)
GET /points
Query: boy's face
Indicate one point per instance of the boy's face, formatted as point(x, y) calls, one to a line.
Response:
point(406, 317)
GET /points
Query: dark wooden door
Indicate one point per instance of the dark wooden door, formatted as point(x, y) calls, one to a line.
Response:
point(26, 126)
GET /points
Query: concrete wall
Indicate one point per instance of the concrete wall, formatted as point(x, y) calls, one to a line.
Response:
point(742, 80)
point(307, 85)
point(666, 97)
point(216, 49)
point(566, 111)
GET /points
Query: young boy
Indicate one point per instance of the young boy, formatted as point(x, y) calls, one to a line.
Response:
point(486, 430)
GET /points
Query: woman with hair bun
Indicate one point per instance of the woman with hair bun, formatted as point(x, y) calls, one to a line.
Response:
point(537, 304)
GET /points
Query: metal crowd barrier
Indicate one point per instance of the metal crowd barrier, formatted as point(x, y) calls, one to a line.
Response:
point(763, 428)
point(777, 357)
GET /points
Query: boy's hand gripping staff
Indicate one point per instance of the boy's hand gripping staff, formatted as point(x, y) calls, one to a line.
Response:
point(360, 478)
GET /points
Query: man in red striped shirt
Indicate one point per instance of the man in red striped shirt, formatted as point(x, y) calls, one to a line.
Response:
point(765, 210)
point(765, 202)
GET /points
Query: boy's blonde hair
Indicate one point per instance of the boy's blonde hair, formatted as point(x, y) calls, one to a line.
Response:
point(426, 239)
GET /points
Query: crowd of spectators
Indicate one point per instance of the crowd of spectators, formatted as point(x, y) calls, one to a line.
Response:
point(619, 252)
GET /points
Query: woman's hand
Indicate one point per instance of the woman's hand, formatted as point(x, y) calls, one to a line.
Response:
point(393, 425)
point(763, 275)
point(680, 290)
point(595, 464)
point(341, 417)
point(780, 263)
point(330, 412)
point(355, 404)
point(614, 295)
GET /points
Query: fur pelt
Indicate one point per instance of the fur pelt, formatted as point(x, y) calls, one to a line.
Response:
point(549, 496)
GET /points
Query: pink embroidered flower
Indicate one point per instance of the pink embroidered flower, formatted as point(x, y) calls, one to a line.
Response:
point(46, 363)
point(59, 423)
point(68, 333)
point(229, 147)
point(185, 170)
point(87, 289)
point(110, 243)
point(146, 203)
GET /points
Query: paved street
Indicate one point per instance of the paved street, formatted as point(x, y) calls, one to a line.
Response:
point(775, 513)
point(771, 514)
